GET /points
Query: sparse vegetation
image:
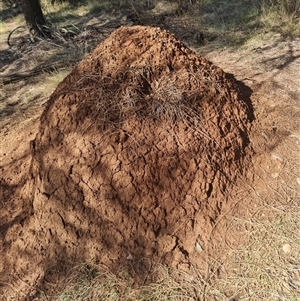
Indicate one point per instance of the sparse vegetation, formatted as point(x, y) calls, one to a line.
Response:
point(281, 16)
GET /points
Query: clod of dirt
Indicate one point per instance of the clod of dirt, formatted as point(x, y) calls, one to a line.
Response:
point(136, 151)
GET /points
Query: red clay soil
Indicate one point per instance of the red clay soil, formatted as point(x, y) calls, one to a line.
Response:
point(136, 152)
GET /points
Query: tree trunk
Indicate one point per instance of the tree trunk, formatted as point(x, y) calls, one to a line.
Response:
point(34, 18)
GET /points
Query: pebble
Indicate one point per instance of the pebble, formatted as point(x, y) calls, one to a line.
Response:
point(286, 248)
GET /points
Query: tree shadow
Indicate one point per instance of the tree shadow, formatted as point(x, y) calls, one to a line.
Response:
point(229, 23)
point(10, 12)
point(282, 61)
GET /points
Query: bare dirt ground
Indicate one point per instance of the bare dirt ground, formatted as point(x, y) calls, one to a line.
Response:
point(268, 69)
point(270, 66)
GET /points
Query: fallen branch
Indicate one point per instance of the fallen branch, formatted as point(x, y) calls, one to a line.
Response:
point(48, 68)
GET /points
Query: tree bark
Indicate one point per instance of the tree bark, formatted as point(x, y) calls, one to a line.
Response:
point(34, 17)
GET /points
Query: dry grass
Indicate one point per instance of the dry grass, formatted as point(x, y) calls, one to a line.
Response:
point(165, 103)
point(98, 283)
point(281, 16)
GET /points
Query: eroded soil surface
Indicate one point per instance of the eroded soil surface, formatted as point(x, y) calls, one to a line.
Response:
point(136, 152)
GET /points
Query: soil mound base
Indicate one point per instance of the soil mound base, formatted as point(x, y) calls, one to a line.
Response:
point(136, 151)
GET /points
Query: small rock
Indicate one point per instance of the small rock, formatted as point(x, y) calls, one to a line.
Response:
point(198, 248)
point(286, 248)
point(129, 257)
